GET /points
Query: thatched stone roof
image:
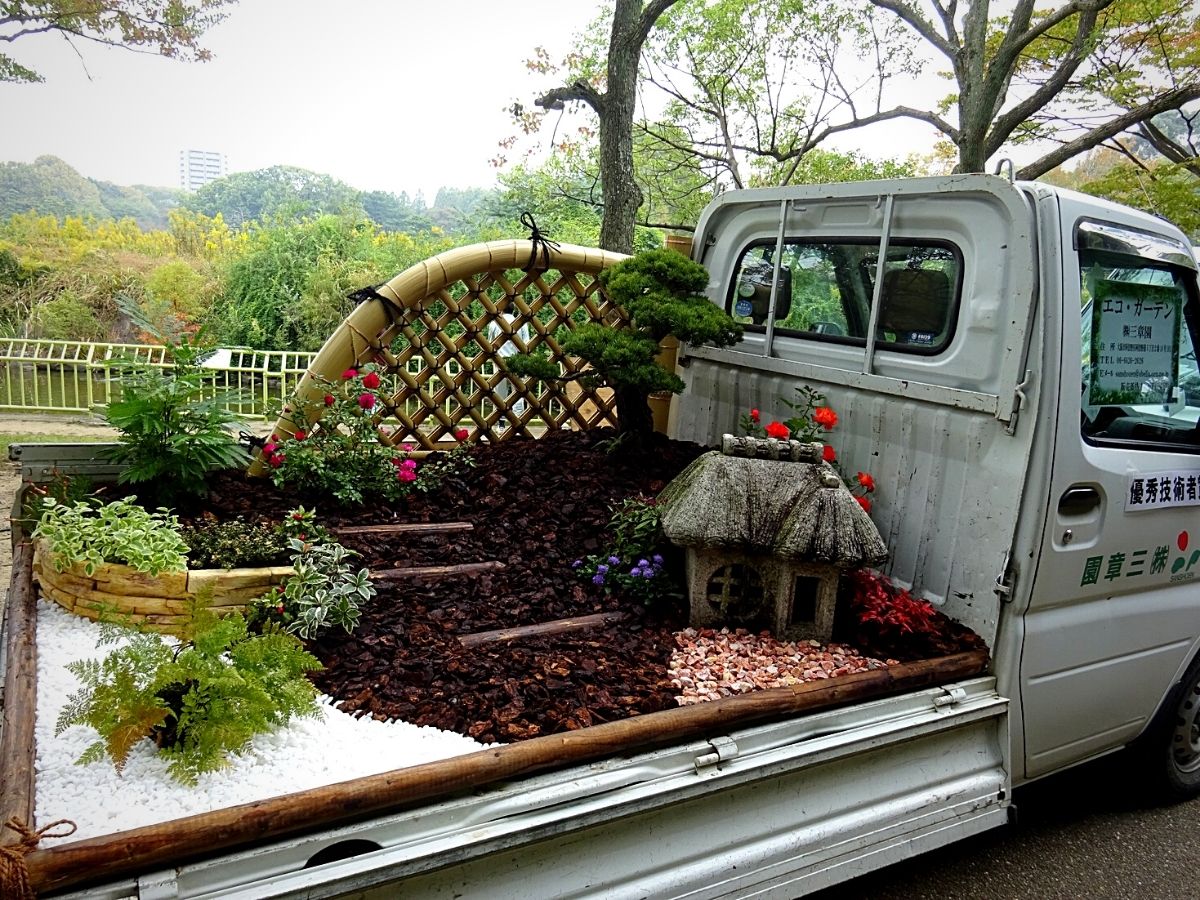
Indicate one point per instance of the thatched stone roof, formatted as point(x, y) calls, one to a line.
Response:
point(794, 510)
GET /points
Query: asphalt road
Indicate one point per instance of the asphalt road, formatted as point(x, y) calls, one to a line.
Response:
point(1083, 834)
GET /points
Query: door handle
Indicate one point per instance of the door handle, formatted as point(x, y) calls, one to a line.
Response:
point(1077, 500)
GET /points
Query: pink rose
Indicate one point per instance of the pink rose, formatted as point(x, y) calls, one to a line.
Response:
point(461, 434)
point(349, 373)
point(299, 436)
point(366, 401)
point(329, 399)
point(371, 380)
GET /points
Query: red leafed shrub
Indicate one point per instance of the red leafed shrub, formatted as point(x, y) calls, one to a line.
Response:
point(889, 621)
point(876, 601)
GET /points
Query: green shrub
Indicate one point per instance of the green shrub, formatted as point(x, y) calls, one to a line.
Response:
point(173, 423)
point(234, 544)
point(116, 532)
point(340, 456)
point(324, 592)
point(632, 564)
point(199, 701)
point(662, 292)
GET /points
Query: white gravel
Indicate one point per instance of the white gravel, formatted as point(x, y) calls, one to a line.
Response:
point(307, 753)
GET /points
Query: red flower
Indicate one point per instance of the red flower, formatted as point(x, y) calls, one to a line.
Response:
point(269, 449)
point(867, 482)
point(754, 415)
point(366, 401)
point(371, 381)
point(778, 430)
point(828, 453)
point(350, 373)
point(865, 503)
point(461, 434)
point(275, 460)
point(299, 436)
point(329, 399)
point(825, 417)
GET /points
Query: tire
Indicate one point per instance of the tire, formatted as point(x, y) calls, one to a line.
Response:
point(1169, 751)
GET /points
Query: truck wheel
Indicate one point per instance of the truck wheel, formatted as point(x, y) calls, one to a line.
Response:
point(1170, 749)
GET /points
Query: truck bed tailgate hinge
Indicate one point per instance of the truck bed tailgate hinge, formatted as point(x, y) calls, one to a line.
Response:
point(948, 697)
point(723, 749)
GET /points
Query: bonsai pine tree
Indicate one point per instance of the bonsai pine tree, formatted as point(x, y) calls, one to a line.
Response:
point(662, 292)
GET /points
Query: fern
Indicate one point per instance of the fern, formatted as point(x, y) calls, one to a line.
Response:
point(200, 699)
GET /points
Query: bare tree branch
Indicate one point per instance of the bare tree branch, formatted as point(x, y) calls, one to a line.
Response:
point(1164, 102)
point(919, 24)
point(580, 90)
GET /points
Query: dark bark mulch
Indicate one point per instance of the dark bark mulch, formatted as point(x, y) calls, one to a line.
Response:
point(535, 506)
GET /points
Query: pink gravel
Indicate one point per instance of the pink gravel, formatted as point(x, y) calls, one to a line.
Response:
point(709, 664)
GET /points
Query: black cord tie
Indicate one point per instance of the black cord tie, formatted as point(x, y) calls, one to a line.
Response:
point(395, 311)
point(252, 441)
point(539, 241)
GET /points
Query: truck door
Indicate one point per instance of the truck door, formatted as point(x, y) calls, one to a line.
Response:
point(1115, 606)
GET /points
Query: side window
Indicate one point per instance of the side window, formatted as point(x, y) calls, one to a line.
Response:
point(1138, 321)
point(826, 289)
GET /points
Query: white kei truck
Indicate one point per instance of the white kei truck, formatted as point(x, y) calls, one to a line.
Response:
point(1016, 366)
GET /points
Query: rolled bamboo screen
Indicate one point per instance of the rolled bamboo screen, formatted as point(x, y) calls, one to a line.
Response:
point(442, 330)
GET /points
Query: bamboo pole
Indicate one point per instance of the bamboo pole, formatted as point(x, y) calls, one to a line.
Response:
point(194, 837)
point(413, 528)
point(436, 571)
point(558, 626)
point(20, 697)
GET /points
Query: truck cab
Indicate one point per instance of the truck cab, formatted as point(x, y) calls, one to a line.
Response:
point(1048, 503)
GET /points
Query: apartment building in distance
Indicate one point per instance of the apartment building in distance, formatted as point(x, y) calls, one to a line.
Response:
point(198, 167)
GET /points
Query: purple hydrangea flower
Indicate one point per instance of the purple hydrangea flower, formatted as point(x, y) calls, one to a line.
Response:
point(602, 569)
point(614, 560)
point(577, 564)
point(597, 578)
point(658, 560)
point(643, 564)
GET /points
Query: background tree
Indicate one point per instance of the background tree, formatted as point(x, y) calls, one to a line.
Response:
point(171, 28)
point(614, 106)
point(270, 193)
point(751, 87)
point(1014, 75)
point(1143, 68)
point(395, 212)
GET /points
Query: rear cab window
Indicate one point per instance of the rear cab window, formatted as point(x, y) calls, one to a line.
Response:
point(826, 290)
point(1138, 324)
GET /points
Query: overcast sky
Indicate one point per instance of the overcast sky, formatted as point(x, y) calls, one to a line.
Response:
point(398, 95)
point(395, 95)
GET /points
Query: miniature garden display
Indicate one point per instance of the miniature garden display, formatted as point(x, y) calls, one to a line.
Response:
point(494, 590)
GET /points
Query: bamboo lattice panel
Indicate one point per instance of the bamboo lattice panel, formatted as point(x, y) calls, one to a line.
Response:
point(442, 331)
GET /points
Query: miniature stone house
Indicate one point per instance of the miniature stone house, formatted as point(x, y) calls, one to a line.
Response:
point(768, 528)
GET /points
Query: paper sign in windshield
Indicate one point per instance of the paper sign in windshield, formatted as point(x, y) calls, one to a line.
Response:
point(1135, 342)
point(1161, 490)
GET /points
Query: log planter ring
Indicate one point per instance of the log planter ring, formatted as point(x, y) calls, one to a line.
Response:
point(158, 602)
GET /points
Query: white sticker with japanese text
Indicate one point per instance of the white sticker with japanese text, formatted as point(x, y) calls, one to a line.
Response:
point(1159, 490)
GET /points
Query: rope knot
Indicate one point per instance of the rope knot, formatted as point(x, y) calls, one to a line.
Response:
point(14, 877)
point(539, 241)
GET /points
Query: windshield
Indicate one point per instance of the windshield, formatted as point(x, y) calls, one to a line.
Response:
point(1141, 385)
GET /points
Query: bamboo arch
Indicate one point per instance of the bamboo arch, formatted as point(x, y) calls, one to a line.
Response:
point(442, 329)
